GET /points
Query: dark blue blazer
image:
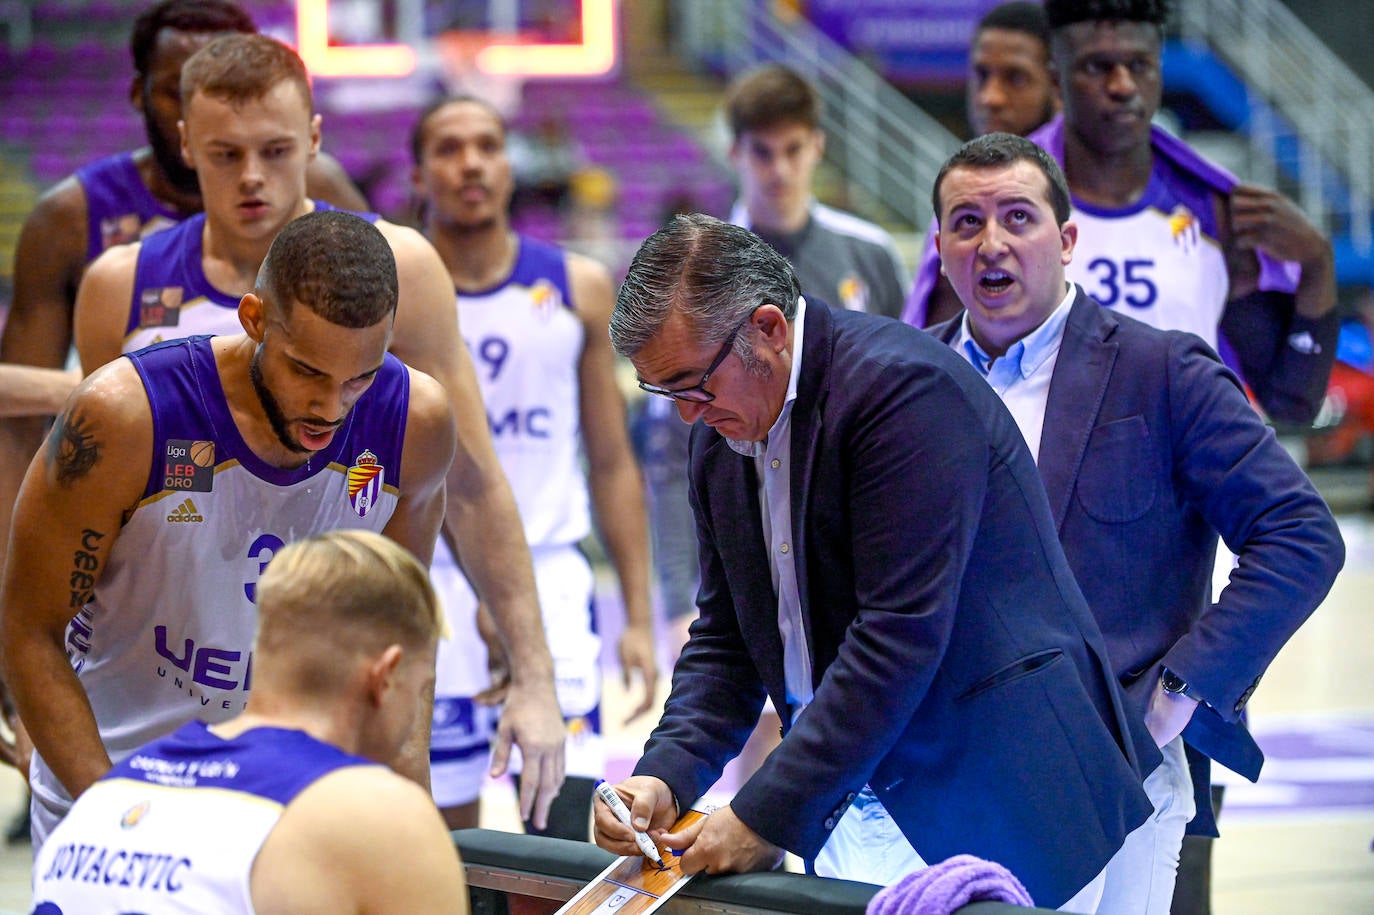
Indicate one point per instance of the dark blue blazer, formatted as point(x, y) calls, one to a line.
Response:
point(1150, 449)
point(957, 668)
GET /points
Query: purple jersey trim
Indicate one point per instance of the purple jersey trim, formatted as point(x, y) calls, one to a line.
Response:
point(1167, 188)
point(535, 261)
point(176, 257)
point(272, 763)
point(1275, 275)
point(187, 400)
point(114, 188)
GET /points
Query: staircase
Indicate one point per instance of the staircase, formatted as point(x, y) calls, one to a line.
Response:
point(882, 152)
point(1305, 112)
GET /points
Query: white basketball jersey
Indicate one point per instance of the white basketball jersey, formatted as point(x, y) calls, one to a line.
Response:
point(526, 343)
point(1158, 260)
point(176, 827)
point(167, 635)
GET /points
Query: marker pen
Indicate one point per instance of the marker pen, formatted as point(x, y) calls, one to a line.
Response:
point(622, 813)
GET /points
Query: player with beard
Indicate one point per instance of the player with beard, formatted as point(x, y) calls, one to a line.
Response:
point(129, 195)
point(173, 476)
point(113, 200)
point(249, 130)
point(1168, 237)
point(535, 319)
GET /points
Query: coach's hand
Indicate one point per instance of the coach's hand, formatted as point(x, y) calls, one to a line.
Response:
point(721, 844)
point(652, 810)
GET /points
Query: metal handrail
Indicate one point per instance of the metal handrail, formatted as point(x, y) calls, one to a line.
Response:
point(879, 139)
point(1291, 72)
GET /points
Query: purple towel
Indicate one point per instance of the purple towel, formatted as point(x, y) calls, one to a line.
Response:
point(944, 887)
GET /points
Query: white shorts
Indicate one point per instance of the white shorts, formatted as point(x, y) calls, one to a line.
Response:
point(460, 745)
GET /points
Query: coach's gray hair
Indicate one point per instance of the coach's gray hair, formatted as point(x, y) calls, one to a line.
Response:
point(712, 273)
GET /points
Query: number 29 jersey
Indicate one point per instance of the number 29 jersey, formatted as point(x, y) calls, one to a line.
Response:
point(166, 636)
point(1158, 260)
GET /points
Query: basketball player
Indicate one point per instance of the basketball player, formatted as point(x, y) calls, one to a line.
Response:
point(1166, 236)
point(1009, 88)
point(535, 319)
point(1009, 85)
point(128, 195)
point(173, 476)
point(249, 132)
point(112, 200)
point(283, 808)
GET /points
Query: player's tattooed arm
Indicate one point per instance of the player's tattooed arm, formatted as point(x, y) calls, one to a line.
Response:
point(73, 449)
point(86, 562)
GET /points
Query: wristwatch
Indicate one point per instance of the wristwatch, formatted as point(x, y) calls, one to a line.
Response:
point(1173, 683)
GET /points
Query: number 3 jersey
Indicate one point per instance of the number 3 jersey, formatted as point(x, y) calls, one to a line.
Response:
point(1159, 259)
point(167, 634)
point(177, 826)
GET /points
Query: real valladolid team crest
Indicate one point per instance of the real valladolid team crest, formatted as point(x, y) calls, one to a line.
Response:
point(365, 480)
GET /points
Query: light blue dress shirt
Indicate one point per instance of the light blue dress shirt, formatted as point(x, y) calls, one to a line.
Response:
point(1021, 377)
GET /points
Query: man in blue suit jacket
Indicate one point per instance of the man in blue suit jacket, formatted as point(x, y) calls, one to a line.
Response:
point(1149, 450)
point(877, 557)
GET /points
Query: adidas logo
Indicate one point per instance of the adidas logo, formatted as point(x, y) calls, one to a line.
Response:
point(186, 512)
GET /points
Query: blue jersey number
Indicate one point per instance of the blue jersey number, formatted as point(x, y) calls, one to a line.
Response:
point(491, 352)
point(1128, 281)
point(263, 549)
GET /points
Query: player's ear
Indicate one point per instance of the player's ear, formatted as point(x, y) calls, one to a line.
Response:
point(381, 672)
point(136, 92)
point(253, 316)
point(315, 136)
point(185, 146)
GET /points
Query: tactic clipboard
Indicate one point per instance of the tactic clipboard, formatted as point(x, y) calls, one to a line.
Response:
point(633, 885)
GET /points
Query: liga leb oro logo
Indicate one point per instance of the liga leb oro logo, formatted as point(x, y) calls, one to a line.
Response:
point(190, 465)
point(365, 479)
point(160, 307)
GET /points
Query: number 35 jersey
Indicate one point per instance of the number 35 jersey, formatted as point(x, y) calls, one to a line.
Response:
point(526, 342)
point(1158, 260)
point(167, 635)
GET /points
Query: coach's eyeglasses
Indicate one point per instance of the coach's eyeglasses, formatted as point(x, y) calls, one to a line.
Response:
point(697, 393)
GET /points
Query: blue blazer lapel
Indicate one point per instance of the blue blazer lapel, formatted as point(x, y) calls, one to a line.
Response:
point(1081, 373)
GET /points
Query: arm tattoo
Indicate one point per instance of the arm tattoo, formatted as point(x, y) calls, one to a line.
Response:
point(72, 448)
point(85, 562)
